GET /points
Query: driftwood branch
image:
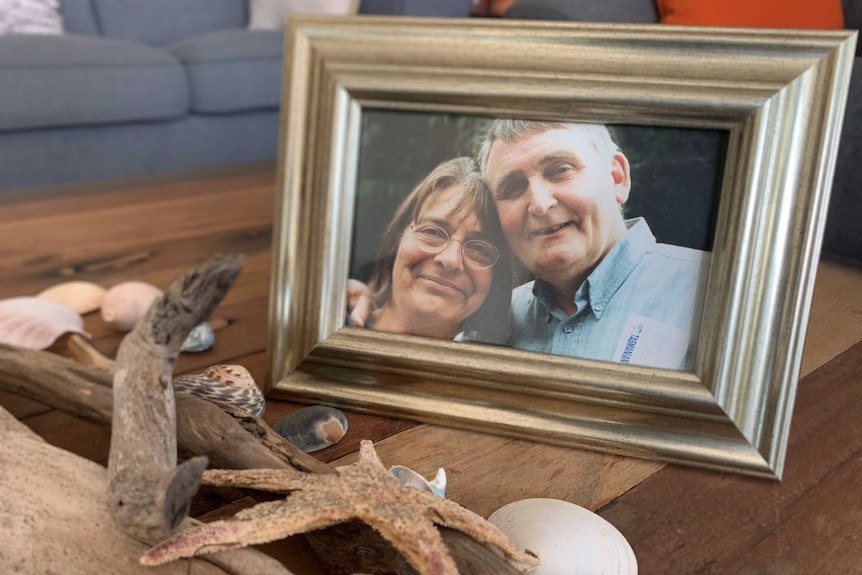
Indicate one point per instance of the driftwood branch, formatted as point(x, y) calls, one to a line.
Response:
point(148, 493)
point(231, 439)
point(56, 521)
point(234, 439)
point(77, 348)
point(82, 391)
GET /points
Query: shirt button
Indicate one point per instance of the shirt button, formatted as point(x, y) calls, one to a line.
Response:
point(568, 328)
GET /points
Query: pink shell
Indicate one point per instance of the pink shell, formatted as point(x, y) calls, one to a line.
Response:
point(126, 303)
point(36, 323)
point(83, 297)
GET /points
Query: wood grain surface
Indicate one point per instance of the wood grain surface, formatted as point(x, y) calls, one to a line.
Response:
point(678, 520)
point(688, 521)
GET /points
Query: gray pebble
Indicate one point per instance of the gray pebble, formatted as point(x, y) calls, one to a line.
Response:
point(201, 338)
point(312, 428)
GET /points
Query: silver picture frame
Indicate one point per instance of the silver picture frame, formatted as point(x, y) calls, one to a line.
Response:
point(779, 94)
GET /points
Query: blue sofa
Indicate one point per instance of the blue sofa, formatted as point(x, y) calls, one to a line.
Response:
point(842, 238)
point(143, 86)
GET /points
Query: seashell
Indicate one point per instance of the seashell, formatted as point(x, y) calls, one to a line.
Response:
point(126, 303)
point(83, 297)
point(312, 428)
point(36, 323)
point(568, 539)
point(407, 476)
point(231, 385)
point(200, 338)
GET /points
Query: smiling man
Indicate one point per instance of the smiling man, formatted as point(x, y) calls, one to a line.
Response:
point(605, 288)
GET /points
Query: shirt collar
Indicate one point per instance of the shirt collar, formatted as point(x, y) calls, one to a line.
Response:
point(595, 293)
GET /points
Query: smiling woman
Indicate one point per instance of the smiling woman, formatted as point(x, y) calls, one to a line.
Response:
point(439, 271)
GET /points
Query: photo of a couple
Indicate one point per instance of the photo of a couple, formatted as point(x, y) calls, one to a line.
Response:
point(528, 240)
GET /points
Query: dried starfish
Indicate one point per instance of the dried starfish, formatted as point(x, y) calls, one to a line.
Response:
point(366, 491)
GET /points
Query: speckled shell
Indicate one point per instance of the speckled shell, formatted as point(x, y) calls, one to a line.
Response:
point(36, 323)
point(126, 303)
point(568, 539)
point(83, 297)
point(228, 384)
point(312, 428)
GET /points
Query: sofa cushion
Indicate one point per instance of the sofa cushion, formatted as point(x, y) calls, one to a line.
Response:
point(158, 22)
point(825, 14)
point(30, 17)
point(628, 11)
point(456, 8)
point(272, 14)
point(232, 70)
point(78, 17)
point(51, 81)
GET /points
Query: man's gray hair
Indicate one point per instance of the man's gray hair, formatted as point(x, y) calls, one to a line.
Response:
point(507, 130)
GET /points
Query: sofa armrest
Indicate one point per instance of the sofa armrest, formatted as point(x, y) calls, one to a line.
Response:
point(852, 14)
point(456, 8)
point(78, 17)
point(843, 236)
point(627, 11)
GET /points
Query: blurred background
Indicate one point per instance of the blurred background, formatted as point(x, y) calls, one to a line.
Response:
point(676, 174)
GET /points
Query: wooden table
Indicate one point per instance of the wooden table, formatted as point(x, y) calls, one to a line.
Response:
point(678, 520)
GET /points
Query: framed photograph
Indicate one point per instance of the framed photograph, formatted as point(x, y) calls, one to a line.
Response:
point(599, 236)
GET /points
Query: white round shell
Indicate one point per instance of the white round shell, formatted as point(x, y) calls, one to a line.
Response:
point(126, 303)
point(568, 539)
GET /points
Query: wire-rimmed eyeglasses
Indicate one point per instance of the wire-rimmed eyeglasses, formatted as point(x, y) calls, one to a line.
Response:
point(434, 239)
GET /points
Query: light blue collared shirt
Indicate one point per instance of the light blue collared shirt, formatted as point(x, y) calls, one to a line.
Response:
point(641, 305)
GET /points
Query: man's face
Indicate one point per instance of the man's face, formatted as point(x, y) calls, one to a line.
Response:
point(559, 201)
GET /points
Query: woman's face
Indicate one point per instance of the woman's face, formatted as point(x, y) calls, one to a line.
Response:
point(439, 291)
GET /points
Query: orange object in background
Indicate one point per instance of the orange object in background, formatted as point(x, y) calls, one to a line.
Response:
point(499, 7)
point(823, 14)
